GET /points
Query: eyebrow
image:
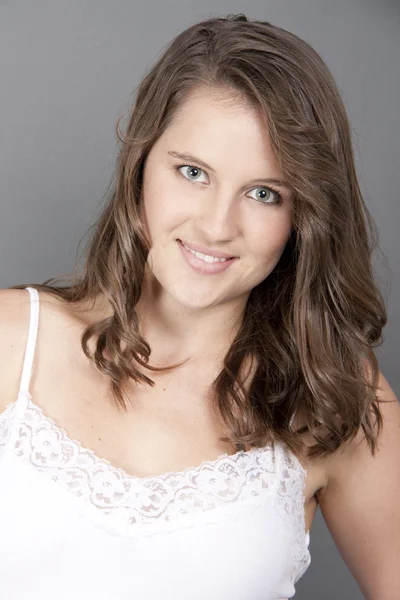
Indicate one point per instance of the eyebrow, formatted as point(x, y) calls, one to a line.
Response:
point(189, 157)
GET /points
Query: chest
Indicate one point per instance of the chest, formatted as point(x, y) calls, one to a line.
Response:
point(59, 536)
point(166, 427)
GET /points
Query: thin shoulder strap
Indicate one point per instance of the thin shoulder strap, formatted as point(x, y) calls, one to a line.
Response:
point(31, 343)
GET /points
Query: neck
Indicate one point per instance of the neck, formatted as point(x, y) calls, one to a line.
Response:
point(176, 333)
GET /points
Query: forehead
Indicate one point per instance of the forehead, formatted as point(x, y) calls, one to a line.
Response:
point(206, 105)
point(219, 125)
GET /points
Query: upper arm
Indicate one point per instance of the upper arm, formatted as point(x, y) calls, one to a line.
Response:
point(361, 505)
point(14, 324)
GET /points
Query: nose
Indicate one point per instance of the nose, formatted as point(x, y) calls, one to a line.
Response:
point(218, 218)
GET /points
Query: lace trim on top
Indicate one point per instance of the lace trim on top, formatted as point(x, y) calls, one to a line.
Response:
point(125, 502)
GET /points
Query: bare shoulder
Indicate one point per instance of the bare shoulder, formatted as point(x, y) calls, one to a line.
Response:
point(14, 327)
point(340, 464)
point(14, 321)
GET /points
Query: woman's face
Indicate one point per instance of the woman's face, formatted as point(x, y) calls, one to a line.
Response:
point(206, 187)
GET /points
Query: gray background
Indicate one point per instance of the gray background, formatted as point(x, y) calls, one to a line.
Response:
point(68, 69)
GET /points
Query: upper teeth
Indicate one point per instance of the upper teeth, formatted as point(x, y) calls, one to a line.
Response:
point(206, 257)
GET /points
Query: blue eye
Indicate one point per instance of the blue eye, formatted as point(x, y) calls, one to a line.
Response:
point(193, 173)
point(266, 194)
point(190, 172)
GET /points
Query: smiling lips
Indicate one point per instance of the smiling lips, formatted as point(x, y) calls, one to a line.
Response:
point(207, 264)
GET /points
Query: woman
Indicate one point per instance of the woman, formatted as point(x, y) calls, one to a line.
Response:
point(214, 357)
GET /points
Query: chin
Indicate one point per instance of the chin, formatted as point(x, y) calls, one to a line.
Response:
point(193, 301)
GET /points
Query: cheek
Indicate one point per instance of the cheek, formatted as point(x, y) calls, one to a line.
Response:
point(164, 206)
point(268, 242)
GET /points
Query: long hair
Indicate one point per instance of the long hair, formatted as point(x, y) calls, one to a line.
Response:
point(310, 327)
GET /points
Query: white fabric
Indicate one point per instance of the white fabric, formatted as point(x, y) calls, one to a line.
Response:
point(72, 526)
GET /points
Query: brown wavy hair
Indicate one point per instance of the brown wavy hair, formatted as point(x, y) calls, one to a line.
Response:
point(311, 325)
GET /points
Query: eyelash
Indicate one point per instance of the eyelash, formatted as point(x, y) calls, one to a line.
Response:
point(278, 195)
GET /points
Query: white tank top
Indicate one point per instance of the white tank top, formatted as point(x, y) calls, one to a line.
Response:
point(74, 527)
